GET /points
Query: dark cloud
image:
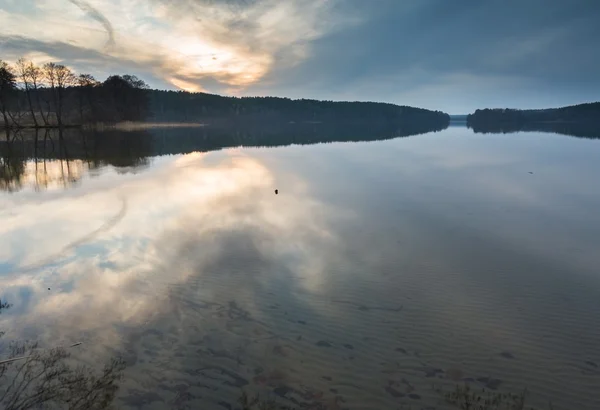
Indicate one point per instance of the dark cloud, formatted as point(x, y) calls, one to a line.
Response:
point(99, 17)
point(84, 59)
point(536, 44)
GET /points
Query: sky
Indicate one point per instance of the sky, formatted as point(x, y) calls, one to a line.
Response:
point(449, 55)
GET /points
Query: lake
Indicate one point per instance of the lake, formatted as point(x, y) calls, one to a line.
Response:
point(381, 272)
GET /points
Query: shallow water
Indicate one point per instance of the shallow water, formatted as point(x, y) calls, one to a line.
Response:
point(379, 269)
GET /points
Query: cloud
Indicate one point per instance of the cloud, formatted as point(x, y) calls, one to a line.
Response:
point(529, 54)
point(546, 48)
point(81, 59)
point(210, 213)
point(96, 15)
point(224, 45)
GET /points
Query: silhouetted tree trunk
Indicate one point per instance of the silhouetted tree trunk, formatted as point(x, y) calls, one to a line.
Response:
point(23, 72)
point(64, 79)
point(50, 73)
point(36, 76)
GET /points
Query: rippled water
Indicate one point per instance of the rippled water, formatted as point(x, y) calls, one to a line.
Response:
point(379, 269)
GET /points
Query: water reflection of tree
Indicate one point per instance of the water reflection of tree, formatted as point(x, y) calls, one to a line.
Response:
point(589, 130)
point(274, 134)
point(33, 378)
point(12, 164)
point(123, 150)
point(59, 159)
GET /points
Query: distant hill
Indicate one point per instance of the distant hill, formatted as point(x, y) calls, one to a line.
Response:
point(578, 120)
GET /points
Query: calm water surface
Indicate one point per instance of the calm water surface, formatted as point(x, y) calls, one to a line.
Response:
point(381, 268)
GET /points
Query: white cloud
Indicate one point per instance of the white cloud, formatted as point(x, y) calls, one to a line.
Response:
point(180, 43)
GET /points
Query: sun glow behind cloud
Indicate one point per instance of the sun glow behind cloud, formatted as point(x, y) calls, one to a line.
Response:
point(181, 43)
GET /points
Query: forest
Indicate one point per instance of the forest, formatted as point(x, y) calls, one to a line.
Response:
point(576, 120)
point(53, 96)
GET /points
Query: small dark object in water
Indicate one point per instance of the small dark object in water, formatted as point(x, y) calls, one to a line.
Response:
point(414, 396)
point(276, 191)
point(401, 350)
point(323, 343)
point(48, 288)
point(333, 390)
point(327, 378)
point(531, 172)
point(507, 355)
point(302, 322)
point(225, 405)
point(348, 346)
point(592, 364)
point(299, 338)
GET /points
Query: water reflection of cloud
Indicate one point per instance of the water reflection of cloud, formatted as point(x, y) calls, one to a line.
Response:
point(478, 269)
point(190, 215)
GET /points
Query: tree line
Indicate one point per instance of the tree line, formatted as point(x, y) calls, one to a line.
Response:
point(52, 95)
point(181, 106)
point(582, 120)
point(497, 117)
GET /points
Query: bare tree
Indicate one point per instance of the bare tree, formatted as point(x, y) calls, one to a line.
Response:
point(59, 78)
point(64, 79)
point(23, 71)
point(36, 78)
point(32, 78)
point(50, 76)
